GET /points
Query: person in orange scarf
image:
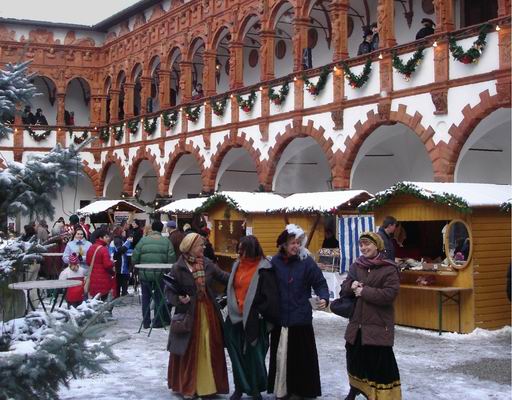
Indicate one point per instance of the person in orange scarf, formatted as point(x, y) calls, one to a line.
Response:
point(252, 310)
point(197, 365)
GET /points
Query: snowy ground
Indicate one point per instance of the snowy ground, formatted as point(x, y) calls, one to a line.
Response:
point(474, 366)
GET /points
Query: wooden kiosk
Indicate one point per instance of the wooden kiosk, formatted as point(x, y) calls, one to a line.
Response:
point(458, 248)
point(104, 211)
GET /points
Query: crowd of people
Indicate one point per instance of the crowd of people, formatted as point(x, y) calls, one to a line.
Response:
point(269, 304)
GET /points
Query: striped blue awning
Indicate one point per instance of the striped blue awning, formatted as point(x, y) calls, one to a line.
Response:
point(350, 227)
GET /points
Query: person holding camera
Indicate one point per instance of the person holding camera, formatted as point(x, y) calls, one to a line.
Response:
point(78, 245)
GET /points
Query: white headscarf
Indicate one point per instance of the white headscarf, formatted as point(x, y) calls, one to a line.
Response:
point(299, 234)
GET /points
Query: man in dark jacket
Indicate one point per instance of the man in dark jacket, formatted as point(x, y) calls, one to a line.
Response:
point(386, 231)
point(427, 30)
point(153, 249)
point(366, 46)
point(375, 36)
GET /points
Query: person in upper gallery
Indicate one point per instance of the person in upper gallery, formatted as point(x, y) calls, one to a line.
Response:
point(427, 30)
point(40, 118)
point(366, 45)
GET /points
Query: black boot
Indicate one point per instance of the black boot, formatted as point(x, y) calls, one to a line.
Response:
point(352, 394)
point(237, 395)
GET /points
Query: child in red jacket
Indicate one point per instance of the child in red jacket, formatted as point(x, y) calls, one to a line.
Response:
point(74, 295)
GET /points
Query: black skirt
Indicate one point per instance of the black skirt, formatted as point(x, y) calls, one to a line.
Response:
point(302, 371)
point(373, 370)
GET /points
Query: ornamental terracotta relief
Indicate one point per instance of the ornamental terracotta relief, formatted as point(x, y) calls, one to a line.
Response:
point(6, 34)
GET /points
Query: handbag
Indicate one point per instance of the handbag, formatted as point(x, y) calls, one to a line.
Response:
point(344, 306)
point(181, 323)
point(88, 277)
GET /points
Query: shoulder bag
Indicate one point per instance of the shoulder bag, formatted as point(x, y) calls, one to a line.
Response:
point(88, 277)
point(344, 306)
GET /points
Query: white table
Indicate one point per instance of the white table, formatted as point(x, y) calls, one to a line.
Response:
point(152, 274)
point(48, 285)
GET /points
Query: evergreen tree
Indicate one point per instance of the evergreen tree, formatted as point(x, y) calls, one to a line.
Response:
point(15, 88)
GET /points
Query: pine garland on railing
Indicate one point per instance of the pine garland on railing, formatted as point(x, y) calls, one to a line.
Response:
point(357, 81)
point(407, 69)
point(133, 126)
point(104, 134)
point(315, 89)
point(246, 104)
point(279, 97)
point(219, 107)
point(149, 128)
point(79, 139)
point(192, 114)
point(118, 132)
point(473, 54)
point(38, 136)
point(170, 119)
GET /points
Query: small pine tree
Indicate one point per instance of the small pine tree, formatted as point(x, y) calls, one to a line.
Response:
point(15, 88)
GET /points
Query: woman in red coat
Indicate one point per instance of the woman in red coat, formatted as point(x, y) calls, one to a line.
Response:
point(102, 271)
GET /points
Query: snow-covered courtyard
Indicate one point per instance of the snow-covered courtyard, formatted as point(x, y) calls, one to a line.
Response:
point(452, 366)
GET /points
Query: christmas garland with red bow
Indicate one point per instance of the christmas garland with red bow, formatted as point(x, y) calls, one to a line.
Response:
point(315, 89)
point(279, 97)
point(407, 69)
point(357, 81)
point(192, 114)
point(246, 104)
point(218, 107)
point(473, 54)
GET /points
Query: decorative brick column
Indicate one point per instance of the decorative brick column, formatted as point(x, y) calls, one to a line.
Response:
point(386, 23)
point(61, 108)
point(145, 92)
point(164, 88)
point(236, 64)
point(444, 15)
point(339, 23)
point(267, 55)
point(114, 105)
point(300, 40)
point(128, 100)
point(186, 81)
point(209, 86)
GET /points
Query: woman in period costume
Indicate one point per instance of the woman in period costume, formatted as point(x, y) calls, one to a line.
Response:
point(371, 364)
point(197, 366)
point(293, 356)
point(252, 308)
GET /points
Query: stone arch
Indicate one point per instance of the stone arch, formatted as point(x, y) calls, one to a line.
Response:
point(227, 143)
point(135, 71)
point(218, 35)
point(79, 77)
point(181, 150)
point(109, 160)
point(436, 153)
point(141, 155)
point(291, 132)
point(94, 176)
point(472, 117)
point(178, 50)
point(193, 44)
point(246, 19)
point(148, 66)
point(276, 9)
point(120, 78)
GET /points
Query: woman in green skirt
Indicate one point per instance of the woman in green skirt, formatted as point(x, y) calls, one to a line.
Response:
point(252, 309)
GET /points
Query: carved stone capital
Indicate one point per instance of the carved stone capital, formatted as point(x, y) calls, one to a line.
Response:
point(440, 100)
point(337, 118)
point(384, 109)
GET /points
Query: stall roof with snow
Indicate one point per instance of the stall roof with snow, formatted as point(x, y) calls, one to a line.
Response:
point(462, 196)
point(246, 202)
point(185, 206)
point(325, 202)
point(101, 206)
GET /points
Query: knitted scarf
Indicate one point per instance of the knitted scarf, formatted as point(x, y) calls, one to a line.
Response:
point(196, 265)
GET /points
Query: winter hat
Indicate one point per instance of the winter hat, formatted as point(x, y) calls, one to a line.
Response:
point(374, 238)
point(73, 259)
point(188, 242)
point(186, 227)
point(428, 21)
point(171, 224)
point(73, 219)
point(292, 230)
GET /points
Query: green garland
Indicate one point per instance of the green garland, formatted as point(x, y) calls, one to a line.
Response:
point(118, 132)
point(280, 97)
point(104, 134)
point(409, 67)
point(315, 89)
point(475, 52)
point(170, 119)
point(80, 139)
point(507, 206)
point(149, 128)
point(133, 126)
point(192, 114)
point(215, 199)
point(357, 81)
point(218, 107)
point(246, 104)
point(38, 136)
point(406, 188)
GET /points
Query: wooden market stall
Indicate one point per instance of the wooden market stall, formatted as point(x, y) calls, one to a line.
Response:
point(110, 211)
point(456, 247)
point(182, 211)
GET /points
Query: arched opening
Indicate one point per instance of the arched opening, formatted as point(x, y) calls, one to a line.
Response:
point(485, 157)
point(197, 69)
point(320, 33)
point(137, 89)
point(46, 101)
point(392, 153)
point(222, 62)
point(237, 171)
point(153, 102)
point(174, 62)
point(185, 179)
point(145, 184)
point(302, 167)
point(113, 183)
point(106, 89)
point(76, 104)
point(251, 51)
point(361, 14)
point(120, 85)
point(283, 52)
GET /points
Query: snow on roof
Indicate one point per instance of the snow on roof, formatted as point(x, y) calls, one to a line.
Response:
point(254, 202)
point(183, 205)
point(325, 201)
point(460, 195)
point(103, 205)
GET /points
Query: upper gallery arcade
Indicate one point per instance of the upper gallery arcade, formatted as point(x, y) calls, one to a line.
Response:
point(191, 97)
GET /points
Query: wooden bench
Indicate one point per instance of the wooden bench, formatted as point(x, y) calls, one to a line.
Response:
point(445, 294)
